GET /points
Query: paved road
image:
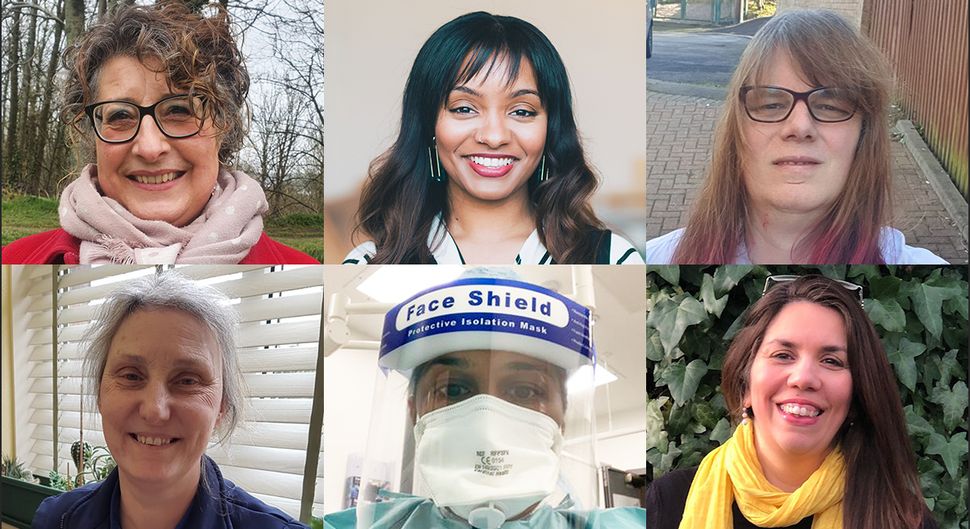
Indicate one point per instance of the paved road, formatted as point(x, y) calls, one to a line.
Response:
point(694, 56)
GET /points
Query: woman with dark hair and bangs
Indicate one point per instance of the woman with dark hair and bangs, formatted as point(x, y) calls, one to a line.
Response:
point(801, 164)
point(821, 440)
point(488, 166)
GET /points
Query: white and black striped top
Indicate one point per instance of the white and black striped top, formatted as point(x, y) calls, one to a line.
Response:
point(446, 251)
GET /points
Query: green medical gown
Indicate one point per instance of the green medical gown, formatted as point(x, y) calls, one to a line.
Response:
point(412, 512)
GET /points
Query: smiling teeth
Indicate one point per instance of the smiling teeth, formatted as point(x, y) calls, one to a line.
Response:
point(156, 179)
point(155, 441)
point(491, 162)
point(804, 411)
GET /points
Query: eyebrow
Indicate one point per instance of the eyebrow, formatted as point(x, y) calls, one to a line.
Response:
point(449, 362)
point(526, 366)
point(133, 102)
point(518, 93)
point(792, 345)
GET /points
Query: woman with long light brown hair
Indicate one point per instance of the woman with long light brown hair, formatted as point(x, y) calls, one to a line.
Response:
point(801, 168)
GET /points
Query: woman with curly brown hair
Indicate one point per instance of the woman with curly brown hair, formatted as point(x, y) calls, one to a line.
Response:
point(488, 167)
point(156, 100)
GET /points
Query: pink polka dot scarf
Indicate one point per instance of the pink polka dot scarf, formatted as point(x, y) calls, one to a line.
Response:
point(230, 224)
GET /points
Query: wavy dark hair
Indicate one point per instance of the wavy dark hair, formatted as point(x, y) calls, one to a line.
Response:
point(197, 53)
point(882, 489)
point(400, 200)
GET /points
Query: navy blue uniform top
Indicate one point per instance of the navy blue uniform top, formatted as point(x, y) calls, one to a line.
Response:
point(98, 506)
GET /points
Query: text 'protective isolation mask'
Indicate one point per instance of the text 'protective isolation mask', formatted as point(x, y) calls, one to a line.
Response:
point(486, 459)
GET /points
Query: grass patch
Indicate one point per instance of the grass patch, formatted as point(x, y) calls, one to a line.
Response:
point(303, 231)
point(767, 10)
point(312, 246)
point(26, 215)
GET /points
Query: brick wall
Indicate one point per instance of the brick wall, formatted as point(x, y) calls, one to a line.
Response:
point(850, 9)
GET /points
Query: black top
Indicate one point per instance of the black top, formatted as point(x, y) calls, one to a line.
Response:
point(667, 497)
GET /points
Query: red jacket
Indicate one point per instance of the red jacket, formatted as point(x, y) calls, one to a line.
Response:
point(59, 247)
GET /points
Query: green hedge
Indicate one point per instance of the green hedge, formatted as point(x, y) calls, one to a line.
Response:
point(919, 312)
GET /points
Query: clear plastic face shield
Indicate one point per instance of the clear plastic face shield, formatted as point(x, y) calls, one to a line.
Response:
point(483, 409)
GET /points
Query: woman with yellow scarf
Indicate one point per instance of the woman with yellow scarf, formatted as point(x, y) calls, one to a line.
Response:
point(822, 440)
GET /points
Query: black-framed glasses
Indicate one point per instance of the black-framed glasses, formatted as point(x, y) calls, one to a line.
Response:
point(773, 280)
point(773, 104)
point(177, 116)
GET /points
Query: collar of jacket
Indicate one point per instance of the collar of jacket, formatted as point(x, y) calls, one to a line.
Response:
point(102, 510)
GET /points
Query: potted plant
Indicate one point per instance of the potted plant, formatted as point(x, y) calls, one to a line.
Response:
point(22, 493)
point(95, 463)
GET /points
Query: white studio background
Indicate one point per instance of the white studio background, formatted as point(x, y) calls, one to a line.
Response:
point(372, 45)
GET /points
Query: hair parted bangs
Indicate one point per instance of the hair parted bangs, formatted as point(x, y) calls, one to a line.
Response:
point(882, 488)
point(197, 54)
point(399, 201)
point(827, 51)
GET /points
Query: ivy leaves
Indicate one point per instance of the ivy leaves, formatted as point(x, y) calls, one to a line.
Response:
point(671, 317)
point(683, 380)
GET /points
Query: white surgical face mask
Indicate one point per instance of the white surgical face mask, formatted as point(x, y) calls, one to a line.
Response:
point(486, 452)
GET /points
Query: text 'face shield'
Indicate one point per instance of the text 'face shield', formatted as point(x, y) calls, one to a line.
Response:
point(483, 412)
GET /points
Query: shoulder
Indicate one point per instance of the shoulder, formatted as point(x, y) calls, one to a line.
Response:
point(51, 512)
point(268, 251)
point(401, 511)
point(49, 247)
point(894, 250)
point(660, 250)
point(619, 518)
point(667, 497)
point(345, 519)
point(248, 512)
point(622, 251)
point(361, 254)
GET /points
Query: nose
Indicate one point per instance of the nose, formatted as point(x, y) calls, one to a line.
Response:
point(154, 407)
point(149, 144)
point(800, 124)
point(804, 375)
point(494, 131)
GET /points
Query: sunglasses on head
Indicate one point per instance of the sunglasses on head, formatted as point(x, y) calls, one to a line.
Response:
point(773, 280)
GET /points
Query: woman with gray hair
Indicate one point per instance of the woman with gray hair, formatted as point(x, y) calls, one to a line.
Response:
point(161, 359)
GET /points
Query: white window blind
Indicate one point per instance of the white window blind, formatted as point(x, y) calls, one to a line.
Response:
point(279, 308)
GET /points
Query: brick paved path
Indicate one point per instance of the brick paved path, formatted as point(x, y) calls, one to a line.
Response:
point(679, 138)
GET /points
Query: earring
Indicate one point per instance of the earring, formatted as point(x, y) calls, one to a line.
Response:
point(746, 414)
point(434, 162)
point(542, 175)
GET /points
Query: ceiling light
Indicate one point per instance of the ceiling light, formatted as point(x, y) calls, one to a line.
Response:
point(393, 284)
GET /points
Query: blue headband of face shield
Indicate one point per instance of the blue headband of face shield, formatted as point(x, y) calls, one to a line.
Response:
point(487, 314)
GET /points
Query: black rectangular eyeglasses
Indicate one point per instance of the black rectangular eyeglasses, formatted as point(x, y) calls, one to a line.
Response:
point(771, 281)
point(177, 116)
point(773, 104)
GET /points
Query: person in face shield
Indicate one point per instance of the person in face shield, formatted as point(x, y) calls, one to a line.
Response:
point(486, 363)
